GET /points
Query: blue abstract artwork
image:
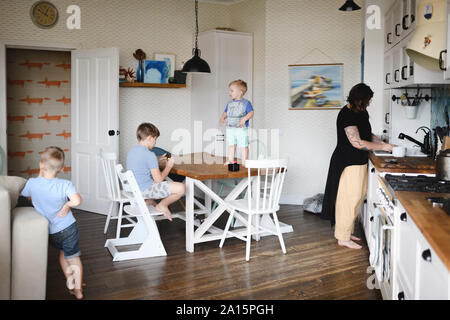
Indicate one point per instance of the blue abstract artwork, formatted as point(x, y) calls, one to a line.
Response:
point(155, 71)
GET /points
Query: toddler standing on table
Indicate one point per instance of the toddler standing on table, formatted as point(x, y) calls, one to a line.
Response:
point(237, 114)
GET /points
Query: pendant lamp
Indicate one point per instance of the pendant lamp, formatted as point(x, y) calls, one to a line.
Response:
point(196, 64)
point(349, 5)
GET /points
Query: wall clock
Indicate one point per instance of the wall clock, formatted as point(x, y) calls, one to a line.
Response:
point(44, 14)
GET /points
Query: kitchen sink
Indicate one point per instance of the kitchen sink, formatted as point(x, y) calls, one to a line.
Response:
point(410, 152)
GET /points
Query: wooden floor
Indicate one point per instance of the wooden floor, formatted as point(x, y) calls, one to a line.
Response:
point(315, 267)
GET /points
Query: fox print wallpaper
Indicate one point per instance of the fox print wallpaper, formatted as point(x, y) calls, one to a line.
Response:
point(38, 108)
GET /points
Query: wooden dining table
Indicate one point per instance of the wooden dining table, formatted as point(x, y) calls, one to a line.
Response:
point(200, 169)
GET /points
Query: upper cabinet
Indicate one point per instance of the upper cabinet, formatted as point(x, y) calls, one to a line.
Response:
point(399, 22)
point(399, 28)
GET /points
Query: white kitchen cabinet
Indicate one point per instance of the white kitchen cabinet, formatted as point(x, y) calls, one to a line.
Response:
point(230, 57)
point(446, 61)
point(406, 251)
point(371, 198)
point(388, 78)
point(420, 274)
point(432, 276)
point(399, 22)
point(388, 34)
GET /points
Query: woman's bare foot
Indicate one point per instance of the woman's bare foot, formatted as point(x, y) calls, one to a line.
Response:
point(150, 202)
point(164, 210)
point(349, 244)
point(77, 293)
point(354, 238)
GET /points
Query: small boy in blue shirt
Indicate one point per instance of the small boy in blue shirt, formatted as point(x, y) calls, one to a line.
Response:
point(145, 166)
point(237, 114)
point(53, 197)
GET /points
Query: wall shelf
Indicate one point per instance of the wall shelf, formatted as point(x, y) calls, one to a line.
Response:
point(151, 85)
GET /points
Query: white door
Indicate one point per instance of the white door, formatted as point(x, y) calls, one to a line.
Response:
point(95, 121)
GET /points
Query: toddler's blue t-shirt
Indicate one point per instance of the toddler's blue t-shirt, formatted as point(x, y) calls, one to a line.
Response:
point(235, 110)
point(140, 160)
point(48, 197)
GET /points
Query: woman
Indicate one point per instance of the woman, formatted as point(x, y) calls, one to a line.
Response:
point(347, 176)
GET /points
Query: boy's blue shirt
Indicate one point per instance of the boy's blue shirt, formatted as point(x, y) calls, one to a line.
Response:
point(140, 160)
point(235, 110)
point(48, 197)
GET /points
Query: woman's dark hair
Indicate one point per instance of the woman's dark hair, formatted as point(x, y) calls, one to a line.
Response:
point(359, 97)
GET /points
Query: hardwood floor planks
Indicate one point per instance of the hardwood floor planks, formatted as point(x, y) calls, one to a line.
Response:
point(315, 267)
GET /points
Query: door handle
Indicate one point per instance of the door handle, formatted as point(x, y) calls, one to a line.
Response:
point(426, 255)
point(386, 79)
point(403, 217)
point(441, 60)
point(405, 27)
point(401, 295)
point(404, 77)
point(396, 29)
point(395, 75)
point(386, 118)
point(387, 38)
point(112, 132)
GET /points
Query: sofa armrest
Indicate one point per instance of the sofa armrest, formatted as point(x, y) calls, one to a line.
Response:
point(29, 254)
point(5, 244)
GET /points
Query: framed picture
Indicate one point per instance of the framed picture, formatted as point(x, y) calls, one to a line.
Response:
point(154, 71)
point(316, 86)
point(170, 62)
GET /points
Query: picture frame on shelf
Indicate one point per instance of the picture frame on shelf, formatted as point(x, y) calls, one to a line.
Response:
point(155, 71)
point(169, 58)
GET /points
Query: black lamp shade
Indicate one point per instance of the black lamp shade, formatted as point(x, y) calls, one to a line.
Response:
point(349, 5)
point(196, 64)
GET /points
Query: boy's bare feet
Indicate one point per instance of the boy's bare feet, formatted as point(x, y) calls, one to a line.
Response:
point(354, 238)
point(349, 244)
point(150, 202)
point(165, 210)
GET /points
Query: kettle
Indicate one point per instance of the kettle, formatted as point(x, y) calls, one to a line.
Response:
point(443, 165)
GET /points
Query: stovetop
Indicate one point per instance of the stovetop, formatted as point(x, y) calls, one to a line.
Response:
point(418, 183)
point(422, 183)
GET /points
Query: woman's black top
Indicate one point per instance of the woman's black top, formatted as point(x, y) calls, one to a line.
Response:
point(344, 155)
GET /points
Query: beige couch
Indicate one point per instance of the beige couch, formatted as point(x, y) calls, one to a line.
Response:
point(23, 245)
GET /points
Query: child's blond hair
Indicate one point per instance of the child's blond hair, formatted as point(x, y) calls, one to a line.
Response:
point(146, 129)
point(241, 84)
point(53, 159)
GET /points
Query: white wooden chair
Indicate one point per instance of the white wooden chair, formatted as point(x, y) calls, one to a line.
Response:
point(145, 233)
point(115, 194)
point(263, 196)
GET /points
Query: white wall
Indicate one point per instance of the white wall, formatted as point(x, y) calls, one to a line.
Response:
point(152, 25)
point(294, 28)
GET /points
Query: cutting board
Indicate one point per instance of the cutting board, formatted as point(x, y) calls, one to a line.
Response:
point(404, 165)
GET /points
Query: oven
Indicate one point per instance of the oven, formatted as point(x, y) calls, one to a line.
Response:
point(382, 242)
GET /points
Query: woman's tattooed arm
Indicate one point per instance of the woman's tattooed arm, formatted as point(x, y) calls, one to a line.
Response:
point(356, 141)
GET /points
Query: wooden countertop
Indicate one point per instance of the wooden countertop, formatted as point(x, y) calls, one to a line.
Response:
point(434, 223)
point(420, 165)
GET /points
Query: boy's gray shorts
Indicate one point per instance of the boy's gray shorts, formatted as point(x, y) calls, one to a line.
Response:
point(158, 190)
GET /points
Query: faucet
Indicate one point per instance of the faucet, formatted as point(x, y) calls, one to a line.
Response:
point(425, 147)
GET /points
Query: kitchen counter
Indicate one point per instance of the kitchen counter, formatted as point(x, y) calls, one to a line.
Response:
point(418, 165)
point(434, 223)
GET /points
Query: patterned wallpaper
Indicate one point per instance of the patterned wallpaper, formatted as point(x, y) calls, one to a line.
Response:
point(152, 25)
point(307, 137)
point(38, 108)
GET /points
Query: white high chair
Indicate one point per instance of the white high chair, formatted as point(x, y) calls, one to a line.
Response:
point(145, 232)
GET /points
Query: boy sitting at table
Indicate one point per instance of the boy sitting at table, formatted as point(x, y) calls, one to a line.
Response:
point(150, 179)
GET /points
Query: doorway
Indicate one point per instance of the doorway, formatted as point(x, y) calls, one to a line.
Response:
point(38, 107)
